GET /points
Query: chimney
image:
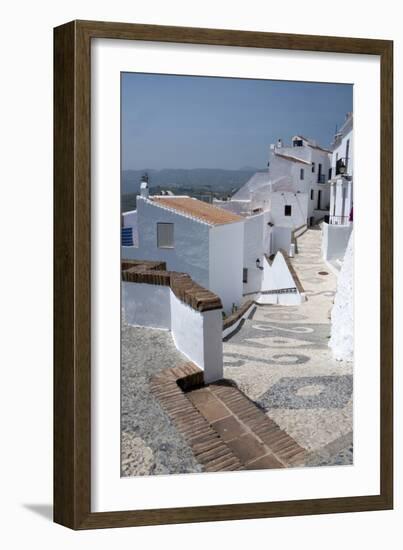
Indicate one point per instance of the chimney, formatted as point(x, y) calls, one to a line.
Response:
point(144, 186)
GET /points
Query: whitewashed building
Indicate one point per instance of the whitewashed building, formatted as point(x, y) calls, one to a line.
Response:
point(223, 251)
point(337, 229)
point(302, 167)
point(192, 237)
point(295, 190)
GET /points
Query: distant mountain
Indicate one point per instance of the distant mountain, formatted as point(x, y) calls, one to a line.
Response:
point(197, 178)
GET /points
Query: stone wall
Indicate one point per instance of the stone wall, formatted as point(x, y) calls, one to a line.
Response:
point(342, 333)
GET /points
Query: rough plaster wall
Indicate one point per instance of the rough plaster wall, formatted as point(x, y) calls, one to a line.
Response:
point(342, 318)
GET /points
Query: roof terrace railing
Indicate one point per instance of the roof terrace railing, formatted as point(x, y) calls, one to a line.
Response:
point(339, 220)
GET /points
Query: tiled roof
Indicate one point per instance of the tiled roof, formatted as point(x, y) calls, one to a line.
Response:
point(198, 210)
point(293, 159)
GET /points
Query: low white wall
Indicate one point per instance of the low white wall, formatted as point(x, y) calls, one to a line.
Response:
point(229, 330)
point(275, 277)
point(335, 240)
point(198, 335)
point(281, 238)
point(213, 348)
point(147, 305)
point(187, 327)
point(281, 299)
point(342, 333)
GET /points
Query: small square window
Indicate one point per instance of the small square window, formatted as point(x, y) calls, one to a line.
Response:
point(287, 210)
point(245, 275)
point(301, 174)
point(165, 235)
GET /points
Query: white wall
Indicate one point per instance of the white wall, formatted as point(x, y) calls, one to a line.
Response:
point(191, 242)
point(253, 249)
point(277, 276)
point(299, 208)
point(342, 332)
point(187, 330)
point(226, 263)
point(334, 240)
point(281, 238)
point(213, 347)
point(147, 305)
point(198, 335)
point(130, 218)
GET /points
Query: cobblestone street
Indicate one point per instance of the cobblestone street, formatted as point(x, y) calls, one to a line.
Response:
point(280, 358)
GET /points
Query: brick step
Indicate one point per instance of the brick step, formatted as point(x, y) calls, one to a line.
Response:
point(224, 428)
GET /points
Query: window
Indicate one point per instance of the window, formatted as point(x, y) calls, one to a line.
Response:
point(245, 275)
point(312, 194)
point(127, 236)
point(313, 167)
point(287, 210)
point(301, 174)
point(298, 143)
point(165, 235)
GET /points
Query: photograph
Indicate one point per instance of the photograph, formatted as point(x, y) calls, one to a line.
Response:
point(237, 274)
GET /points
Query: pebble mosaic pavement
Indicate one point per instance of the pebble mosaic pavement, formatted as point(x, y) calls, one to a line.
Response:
point(281, 360)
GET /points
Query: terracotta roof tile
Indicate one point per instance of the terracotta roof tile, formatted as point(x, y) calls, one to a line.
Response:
point(198, 210)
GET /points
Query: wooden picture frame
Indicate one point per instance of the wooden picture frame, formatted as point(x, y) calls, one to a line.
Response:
point(72, 272)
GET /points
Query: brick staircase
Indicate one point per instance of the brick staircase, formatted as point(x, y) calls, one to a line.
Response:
point(223, 427)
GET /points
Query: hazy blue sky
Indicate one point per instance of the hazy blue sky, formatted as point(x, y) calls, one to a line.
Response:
point(204, 122)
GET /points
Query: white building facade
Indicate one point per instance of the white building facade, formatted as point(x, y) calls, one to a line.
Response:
point(337, 229)
point(306, 166)
point(191, 237)
point(221, 251)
